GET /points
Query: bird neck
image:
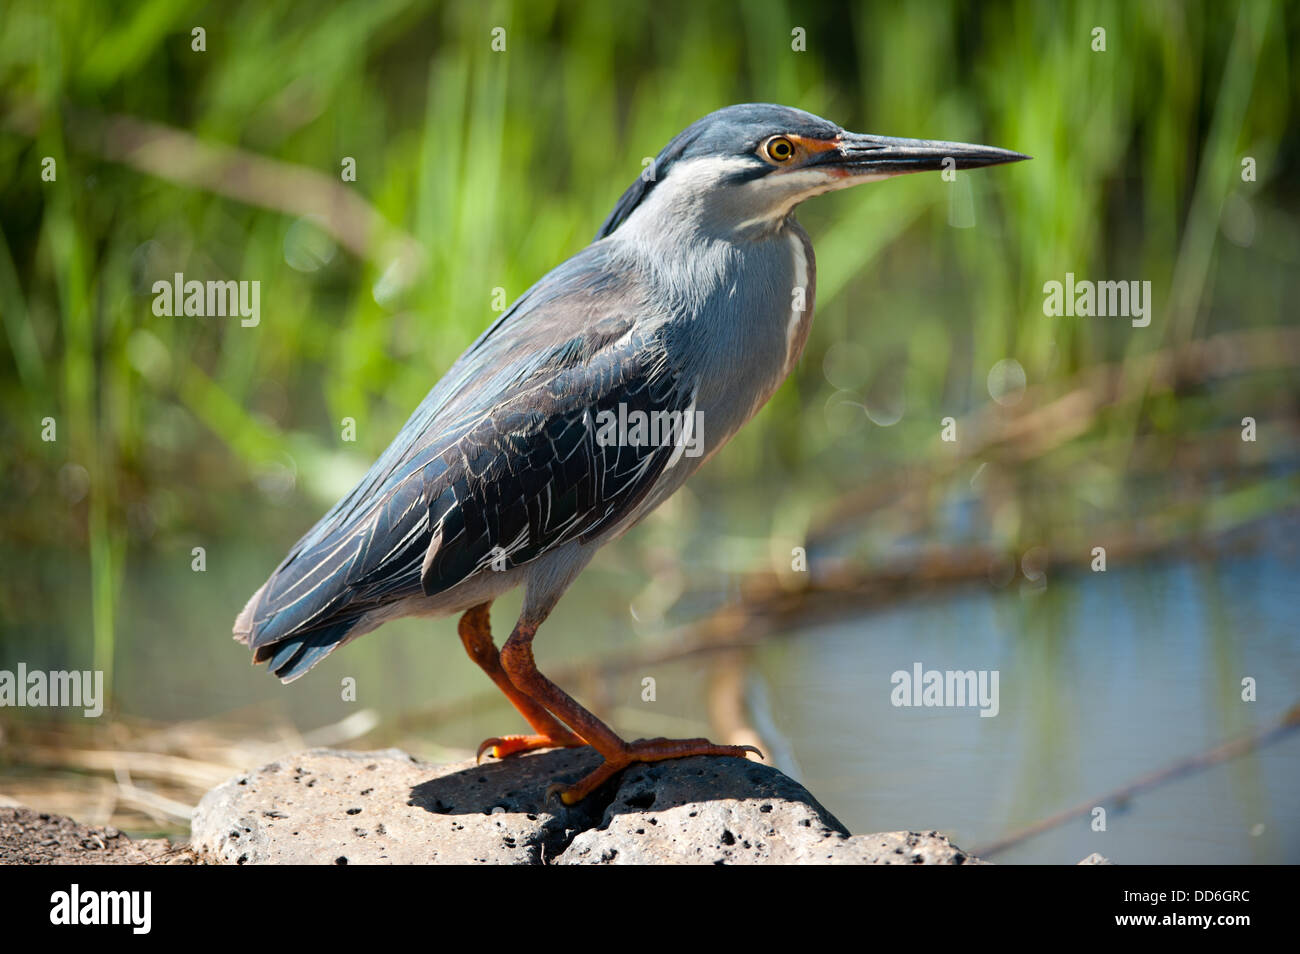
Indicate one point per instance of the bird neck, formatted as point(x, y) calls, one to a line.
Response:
point(736, 310)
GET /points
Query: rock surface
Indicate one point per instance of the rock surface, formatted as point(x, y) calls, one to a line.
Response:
point(334, 807)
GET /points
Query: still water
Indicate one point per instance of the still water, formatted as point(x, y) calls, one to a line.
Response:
point(1102, 678)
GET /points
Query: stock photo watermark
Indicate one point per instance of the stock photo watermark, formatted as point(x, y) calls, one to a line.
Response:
point(624, 428)
point(59, 689)
point(133, 909)
point(946, 688)
point(1088, 299)
point(210, 299)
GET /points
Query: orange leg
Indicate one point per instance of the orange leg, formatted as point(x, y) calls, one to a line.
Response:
point(517, 660)
point(476, 634)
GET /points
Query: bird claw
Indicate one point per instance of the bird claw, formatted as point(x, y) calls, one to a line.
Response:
point(507, 745)
point(644, 750)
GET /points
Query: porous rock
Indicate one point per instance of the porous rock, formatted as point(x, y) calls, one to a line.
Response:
point(334, 807)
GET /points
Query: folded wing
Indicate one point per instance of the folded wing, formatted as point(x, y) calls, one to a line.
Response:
point(503, 461)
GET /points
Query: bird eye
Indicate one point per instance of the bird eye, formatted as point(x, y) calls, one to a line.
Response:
point(779, 149)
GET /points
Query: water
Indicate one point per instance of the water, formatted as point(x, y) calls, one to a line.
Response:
point(1103, 678)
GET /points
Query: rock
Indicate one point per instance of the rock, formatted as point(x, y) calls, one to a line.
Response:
point(708, 811)
point(1095, 859)
point(29, 837)
point(724, 811)
point(333, 807)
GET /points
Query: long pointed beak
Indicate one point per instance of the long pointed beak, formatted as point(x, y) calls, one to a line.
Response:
point(863, 155)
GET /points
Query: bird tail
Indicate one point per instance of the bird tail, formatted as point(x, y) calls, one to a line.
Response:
point(292, 655)
point(244, 622)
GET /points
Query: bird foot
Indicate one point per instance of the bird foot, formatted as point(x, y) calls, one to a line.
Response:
point(644, 750)
point(505, 746)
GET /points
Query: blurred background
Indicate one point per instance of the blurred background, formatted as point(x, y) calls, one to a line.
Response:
point(479, 169)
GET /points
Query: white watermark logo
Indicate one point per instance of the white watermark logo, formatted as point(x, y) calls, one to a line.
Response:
point(103, 907)
point(950, 688)
point(58, 689)
point(212, 299)
point(623, 428)
point(1087, 299)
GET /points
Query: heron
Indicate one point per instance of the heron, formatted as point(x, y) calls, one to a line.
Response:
point(692, 305)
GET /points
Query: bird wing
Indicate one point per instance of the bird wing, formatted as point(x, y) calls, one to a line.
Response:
point(501, 463)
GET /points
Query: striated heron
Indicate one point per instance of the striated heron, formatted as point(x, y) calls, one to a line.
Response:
point(689, 309)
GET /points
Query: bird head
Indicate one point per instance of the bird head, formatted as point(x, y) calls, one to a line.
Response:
point(746, 167)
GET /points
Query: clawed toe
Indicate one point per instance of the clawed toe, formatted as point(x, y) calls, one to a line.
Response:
point(645, 750)
point(502, 747)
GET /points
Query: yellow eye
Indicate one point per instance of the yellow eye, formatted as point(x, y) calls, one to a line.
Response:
point(779, 149)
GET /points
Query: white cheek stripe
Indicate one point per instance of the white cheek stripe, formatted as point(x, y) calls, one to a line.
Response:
point(799, 185)
point(797, 317)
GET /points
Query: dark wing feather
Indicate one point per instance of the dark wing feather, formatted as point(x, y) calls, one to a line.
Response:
point(502, 453)
point(535, 476)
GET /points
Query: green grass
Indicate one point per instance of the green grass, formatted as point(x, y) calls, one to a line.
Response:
point(502, 164)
